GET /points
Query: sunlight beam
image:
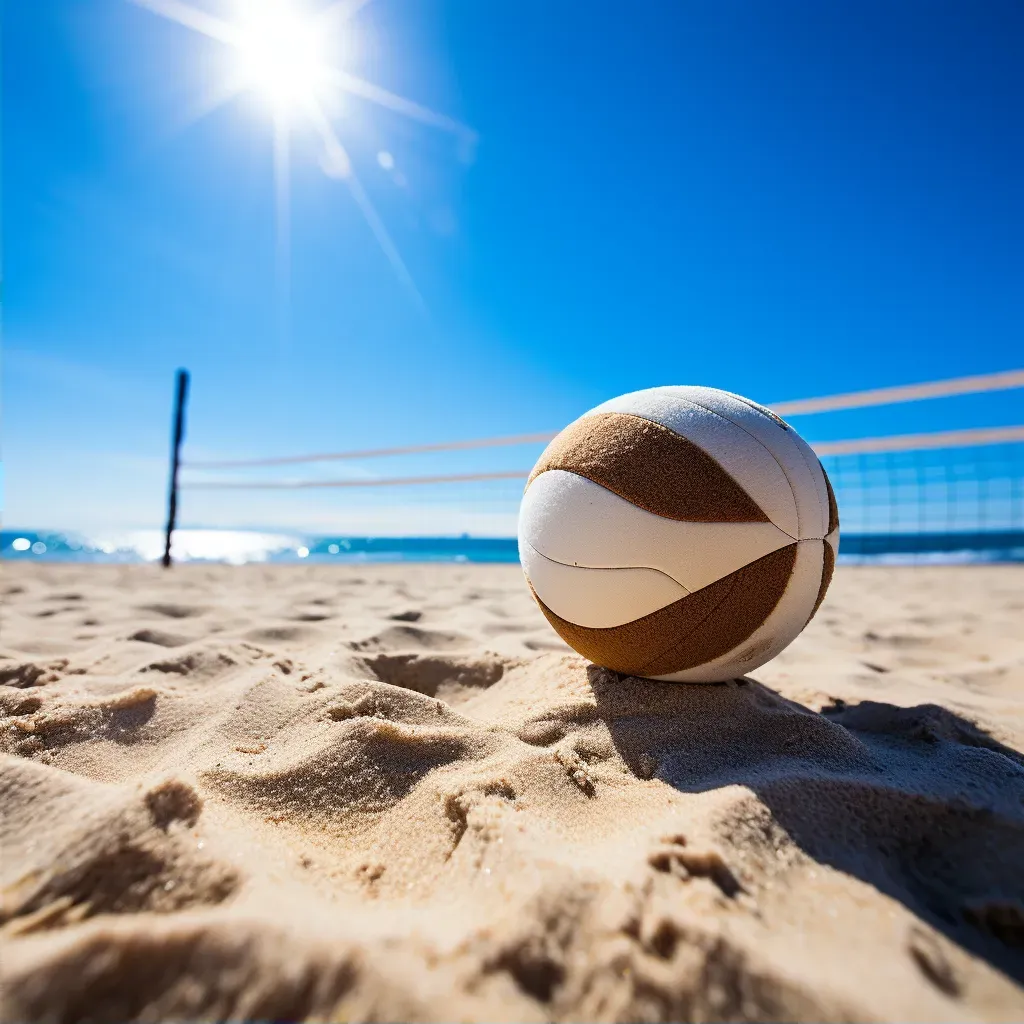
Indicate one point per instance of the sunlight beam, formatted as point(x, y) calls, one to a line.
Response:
point(341, 11)
point(338, 158)
point(212, 99)
point(282, 226)
point(356, 86)
point(193, 18)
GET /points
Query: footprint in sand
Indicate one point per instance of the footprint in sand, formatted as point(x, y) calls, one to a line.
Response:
point(673, 857)
point(281, 634)
point(23, 674)
point(172, 611)
point(199, 664)
point(111, 851)
point(451, 679)
point(405, 638)
point(409, 616)
point(156, 636)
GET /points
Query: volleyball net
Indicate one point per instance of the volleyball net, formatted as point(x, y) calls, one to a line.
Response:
point(917, 494)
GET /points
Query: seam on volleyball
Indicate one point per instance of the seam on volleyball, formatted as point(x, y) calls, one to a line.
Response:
point(768, 618)
point(732, 586)
point(612, 568)
point(763, 409)
point(604, 568)
point(594, 568)
point(530, 479)
point(725, 655)
point(590, 480)
point(821, 593)
point(792, 489)
point(632, 500)
point(636, 505)
point(823, 512)
point(651, 419)
point(682, 640)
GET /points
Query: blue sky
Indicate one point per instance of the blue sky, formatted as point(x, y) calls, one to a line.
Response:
point(781, 199)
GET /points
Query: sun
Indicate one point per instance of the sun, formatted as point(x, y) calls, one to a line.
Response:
point(280, 55)
point(282, 52)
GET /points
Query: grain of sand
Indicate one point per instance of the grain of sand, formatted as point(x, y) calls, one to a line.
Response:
point(391, 793)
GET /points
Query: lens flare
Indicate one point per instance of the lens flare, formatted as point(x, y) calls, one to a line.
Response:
point(279, 51)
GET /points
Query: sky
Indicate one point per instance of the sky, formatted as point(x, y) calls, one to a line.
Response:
point(781, 199)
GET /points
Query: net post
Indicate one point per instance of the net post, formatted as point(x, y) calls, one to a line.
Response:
point(177, 435)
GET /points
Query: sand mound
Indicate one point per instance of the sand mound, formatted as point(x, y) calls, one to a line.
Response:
point(393, 795)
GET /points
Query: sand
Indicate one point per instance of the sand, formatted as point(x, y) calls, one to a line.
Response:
point(391, 793)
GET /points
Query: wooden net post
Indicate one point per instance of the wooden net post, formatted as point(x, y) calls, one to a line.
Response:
point(178, 434)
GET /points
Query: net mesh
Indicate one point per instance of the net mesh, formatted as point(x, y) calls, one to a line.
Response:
point(932, 501)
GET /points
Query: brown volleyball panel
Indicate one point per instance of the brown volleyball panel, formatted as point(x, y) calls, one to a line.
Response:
point(833, 507)
point(651, 466)
point(691, 631)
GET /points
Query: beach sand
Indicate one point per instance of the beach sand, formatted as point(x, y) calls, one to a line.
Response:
point(392, 793)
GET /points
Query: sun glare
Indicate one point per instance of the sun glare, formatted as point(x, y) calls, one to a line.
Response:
point(278, 50)
point(280, 54)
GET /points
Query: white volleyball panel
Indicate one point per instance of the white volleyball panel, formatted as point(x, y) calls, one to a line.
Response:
point(807, 476)
point(598, 598)
point(818, 479)
point(735, 449)
point(783, 443)
point(571, 519)
point(781, 627)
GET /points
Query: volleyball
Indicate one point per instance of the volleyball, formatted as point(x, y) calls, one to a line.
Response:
point(679, 533)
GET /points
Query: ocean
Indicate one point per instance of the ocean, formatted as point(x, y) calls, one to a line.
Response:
point(241, 546)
